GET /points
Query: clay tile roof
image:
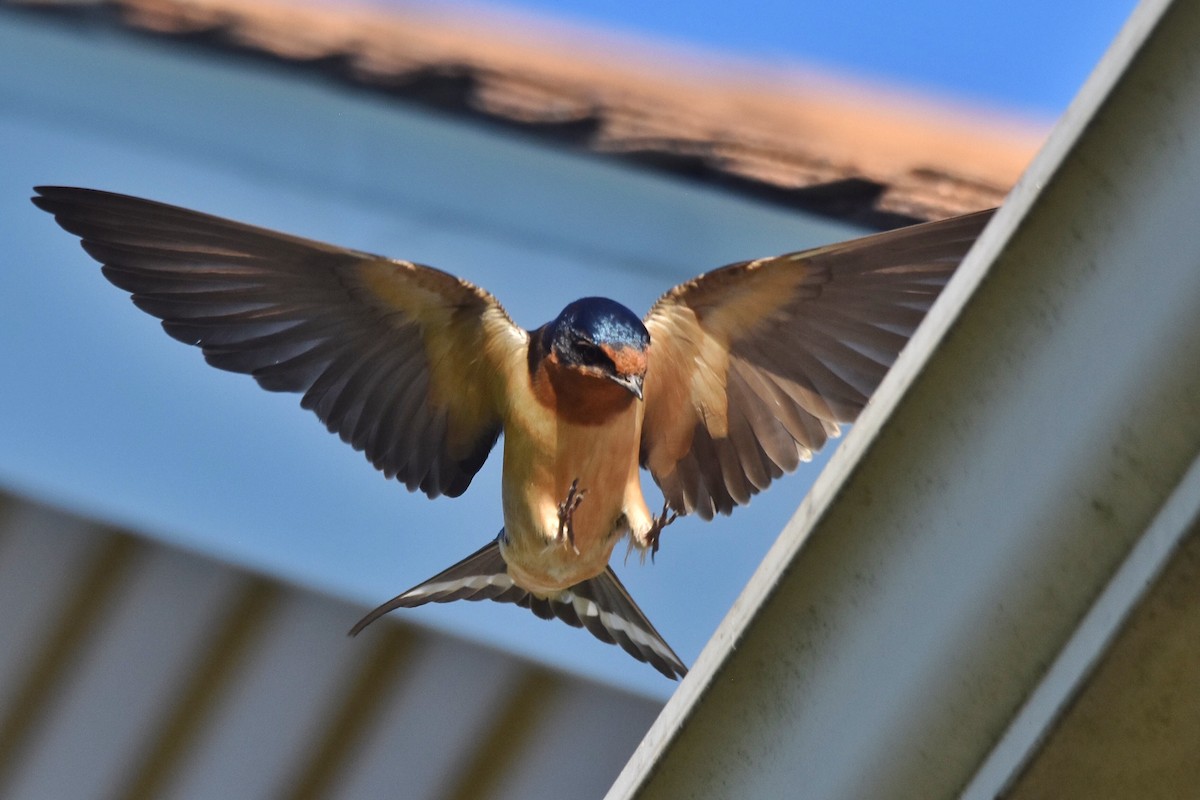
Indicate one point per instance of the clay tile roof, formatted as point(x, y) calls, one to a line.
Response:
point(805, 142)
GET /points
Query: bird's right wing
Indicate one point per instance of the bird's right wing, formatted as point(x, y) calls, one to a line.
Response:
point(408, 364)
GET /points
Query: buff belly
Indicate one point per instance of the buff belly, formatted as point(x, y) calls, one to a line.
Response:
point(543, 456)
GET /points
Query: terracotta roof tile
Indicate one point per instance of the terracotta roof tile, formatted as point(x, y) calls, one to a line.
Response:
point(801, 141)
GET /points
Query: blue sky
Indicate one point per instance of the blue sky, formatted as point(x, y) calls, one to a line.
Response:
point(1030, 56)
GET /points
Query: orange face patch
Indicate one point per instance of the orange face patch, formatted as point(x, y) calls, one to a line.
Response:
point(627, 360)
point(581, 395)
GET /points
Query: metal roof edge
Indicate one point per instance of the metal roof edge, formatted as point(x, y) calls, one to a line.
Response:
point(944, 560)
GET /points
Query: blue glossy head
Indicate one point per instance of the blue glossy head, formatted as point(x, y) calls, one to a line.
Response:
point(601, 321)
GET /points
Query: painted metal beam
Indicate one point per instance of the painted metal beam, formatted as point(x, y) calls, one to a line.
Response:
point(1006, 469)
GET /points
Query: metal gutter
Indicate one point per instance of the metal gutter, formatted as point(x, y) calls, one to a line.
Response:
point(1006, 470)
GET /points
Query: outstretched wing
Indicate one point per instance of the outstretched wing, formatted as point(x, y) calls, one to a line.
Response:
point(601, 604)
point(754, 365)
point(404, 362)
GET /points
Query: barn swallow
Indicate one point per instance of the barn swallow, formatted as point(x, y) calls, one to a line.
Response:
point(731, 380)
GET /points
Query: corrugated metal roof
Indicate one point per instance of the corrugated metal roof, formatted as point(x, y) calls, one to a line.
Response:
point(134, 670)
point(797, 140)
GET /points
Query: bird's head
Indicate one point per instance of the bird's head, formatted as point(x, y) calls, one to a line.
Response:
point(600, 338)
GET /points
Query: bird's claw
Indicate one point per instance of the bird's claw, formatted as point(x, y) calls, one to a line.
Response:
point(566, 510)
point(656, 528)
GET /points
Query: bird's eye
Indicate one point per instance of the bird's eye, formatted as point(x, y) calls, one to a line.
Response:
point(589, 353)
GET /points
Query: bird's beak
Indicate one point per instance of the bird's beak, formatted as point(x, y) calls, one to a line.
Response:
point(631, 382)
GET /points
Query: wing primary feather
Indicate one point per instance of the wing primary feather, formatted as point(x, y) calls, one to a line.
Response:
point(228, 329)
point(424, 477)
point(347, 406)
point(752, 457)
point(258, 353)
point(376, 405)
point(735, 473)
point(296, 373)
point(772, 436)
point(392, 442)
point(761, 398)
point(337, 384)
point(714, 496)
point(807, 424)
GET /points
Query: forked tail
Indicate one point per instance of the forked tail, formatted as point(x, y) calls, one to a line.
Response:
point(601, 604)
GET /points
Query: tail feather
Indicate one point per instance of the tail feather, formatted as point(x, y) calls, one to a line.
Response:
point(483, 575)
point(601, 605)
point(604, 607)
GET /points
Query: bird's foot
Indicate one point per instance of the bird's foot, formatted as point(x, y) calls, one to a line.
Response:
point(566, 511)
point(656, 528)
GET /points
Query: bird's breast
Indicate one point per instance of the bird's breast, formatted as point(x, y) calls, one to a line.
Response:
point(576, 397)
point(545, 453)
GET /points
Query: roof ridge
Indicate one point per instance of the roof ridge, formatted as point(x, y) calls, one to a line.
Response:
point(807, 143)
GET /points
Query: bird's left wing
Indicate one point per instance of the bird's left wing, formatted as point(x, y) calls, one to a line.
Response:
point(404, 362)
point(753, 365)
